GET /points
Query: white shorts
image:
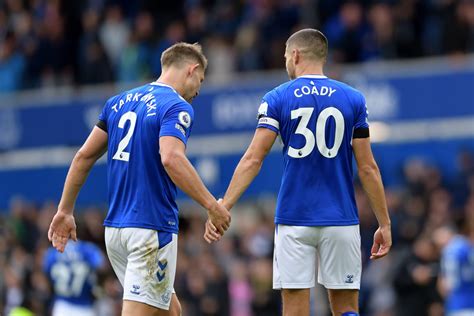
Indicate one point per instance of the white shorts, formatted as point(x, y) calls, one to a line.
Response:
point(336, 247)
point(144, 261)
point(62, 308)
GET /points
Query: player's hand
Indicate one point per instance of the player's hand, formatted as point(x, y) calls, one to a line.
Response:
point(62, 228)
point(382, 242)
point(220, 217)
point(210, 233)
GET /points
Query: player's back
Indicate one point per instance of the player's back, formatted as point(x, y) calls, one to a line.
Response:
point(73, 272)
point(141, 194)
point(458, 270)
point(316, 118)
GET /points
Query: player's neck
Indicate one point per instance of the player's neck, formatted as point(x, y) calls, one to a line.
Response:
point(173, 80)
point(309, 69)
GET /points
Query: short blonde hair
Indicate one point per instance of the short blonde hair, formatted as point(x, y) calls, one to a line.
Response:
point(311, 43)
point(182, 52)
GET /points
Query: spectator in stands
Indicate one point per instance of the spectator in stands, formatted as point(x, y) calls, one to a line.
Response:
point(415, 279)
point(135, 59)
point(458, 36)
point(49, 33)
point(12, 64)
point(379, 43)
point(114, 33)
point(345, 32)
point(175, 32)
point(95, 66)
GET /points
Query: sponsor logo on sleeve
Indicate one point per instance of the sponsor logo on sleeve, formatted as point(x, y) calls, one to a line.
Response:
point(180, 128)
point(184, 119)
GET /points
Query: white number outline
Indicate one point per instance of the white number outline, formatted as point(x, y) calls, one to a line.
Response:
point(69, 279)
point(302, 129)
point(121, 154)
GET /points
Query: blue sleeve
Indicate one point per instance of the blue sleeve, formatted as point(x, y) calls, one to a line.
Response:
point(362, 115)
point(178, 121)
point(268, 112)
point(103, 114)
point(102, 124)
point(95, 257)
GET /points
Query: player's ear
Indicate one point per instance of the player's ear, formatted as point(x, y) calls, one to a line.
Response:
point(192, 68)
point(296, 56)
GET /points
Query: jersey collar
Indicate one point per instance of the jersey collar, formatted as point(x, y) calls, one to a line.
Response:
point(313, 76)
point(156, 83)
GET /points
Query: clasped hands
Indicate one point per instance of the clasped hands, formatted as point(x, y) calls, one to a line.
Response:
point(217, 223)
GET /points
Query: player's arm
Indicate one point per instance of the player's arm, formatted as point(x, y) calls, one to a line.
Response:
point(183, 174)
point(371, 180)
point(247, 169)
point(94, 147)
point(249, 166)
point(63, 226)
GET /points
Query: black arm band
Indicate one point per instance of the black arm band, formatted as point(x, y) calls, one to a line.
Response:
point(102, 125)
point(361, 133)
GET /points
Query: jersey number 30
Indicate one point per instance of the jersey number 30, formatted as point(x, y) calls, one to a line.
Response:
point(320, 141)
point(121, 154)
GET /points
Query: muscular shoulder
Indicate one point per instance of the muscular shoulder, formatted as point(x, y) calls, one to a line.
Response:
point(174, 104)
point(278, 95)
point(281, 90)
point(351, 92)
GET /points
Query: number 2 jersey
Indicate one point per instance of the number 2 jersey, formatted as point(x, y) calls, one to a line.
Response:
point(141, 194)
point(317, 118)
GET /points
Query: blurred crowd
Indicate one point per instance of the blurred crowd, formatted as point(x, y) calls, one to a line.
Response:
point(48, 43)
point(234, 276)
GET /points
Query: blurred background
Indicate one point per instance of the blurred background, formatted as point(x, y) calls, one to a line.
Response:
point(60, 61)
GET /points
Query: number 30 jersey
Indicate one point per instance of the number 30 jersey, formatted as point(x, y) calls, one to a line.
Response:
point(317, 118)
point(141, 194)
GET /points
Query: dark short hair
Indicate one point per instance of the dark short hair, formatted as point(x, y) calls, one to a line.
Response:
point(182, 52)
point(310, 42)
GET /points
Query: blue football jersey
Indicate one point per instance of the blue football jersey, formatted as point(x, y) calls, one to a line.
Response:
point(457, 267)
point(73, 271)
point(316, 118)
point(141, 194)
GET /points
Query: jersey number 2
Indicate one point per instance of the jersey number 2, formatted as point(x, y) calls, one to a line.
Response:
point(121, 154)
point(320, 141)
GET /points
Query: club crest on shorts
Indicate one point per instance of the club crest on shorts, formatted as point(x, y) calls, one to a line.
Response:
point(349, 278)
point(184, 119)
point(135, 289)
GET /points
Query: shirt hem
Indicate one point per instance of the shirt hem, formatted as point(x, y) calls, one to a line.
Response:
point(140, 225)
point(283, 221)
point(176, 135)
point(270, 127)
